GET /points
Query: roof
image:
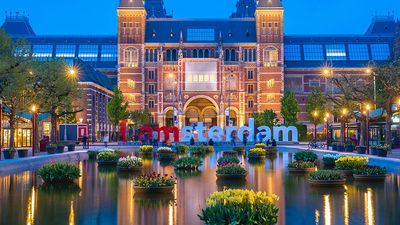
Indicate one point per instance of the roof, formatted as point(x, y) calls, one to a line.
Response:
point(131, 4)
point(381, 25)
point(88, 74)
point(231, 30)
point(18, 25)
point(269, 4)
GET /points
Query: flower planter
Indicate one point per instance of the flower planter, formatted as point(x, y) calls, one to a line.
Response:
point(271, 150)
point(382, 153)
point(128, 169)
point(107, 163)
point(301, 170)
point(51, 150)
point(347, 173)
point(349, 148)
point(231, 176)
point(230, 153)
point(239, 150)
point(22, 153)
point(153, 190)
point(166, 155)
point(261, 157)
point(361, 149)
point(340, 148)
point(369, 178)
point(60, 149)
point(324, 183)
point(8, 154)
point(374, 151)
point(334, 147)
point(71, 148)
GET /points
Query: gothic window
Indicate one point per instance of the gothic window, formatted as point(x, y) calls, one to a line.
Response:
point(201, 55)
point(227, 55)
point(233, 55)
point(131, 57)
point(194, 54)
point(206, 53)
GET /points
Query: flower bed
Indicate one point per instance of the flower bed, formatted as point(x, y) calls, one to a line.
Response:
point(306, 156)
point(51, 149)
point(301, 166)
point(329, 159)
point(59, 173)
point(256, 153)
point(228, 160)
point(260, 145)
point(154, 183)
point(199, 150)
point(347, 164)
point(271, 150)
point(165, 153)
point(240, 207)
point(231, 171)
point(107, 158)
point(181, 149)
point(326, 178)
point(382, 150)
point(239, 150)
point(370, 173)
point(146, 150)
point(188, 163)
point(230, 153)
point(129, 163)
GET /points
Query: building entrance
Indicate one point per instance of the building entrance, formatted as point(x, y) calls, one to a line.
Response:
point(201, 110)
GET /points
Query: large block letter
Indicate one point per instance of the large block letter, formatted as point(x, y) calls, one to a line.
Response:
point(266, 132)
point(187, 133)
point(216, 133)
point(285, 133)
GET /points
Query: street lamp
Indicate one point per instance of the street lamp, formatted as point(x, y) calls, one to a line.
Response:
point(370, 71)
point(71, 73)
point(344, 114)
point(315, 114)
point(80, 120)
point(367, 107)
point(229, 97)
point(327, 115)
point(174, 110)
point(34, 129)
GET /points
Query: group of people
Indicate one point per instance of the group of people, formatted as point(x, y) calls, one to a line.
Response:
point(147, 138)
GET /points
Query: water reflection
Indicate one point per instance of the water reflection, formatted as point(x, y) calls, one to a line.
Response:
point(105, 196)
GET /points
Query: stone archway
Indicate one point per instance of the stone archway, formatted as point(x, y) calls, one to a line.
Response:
point(201, 109)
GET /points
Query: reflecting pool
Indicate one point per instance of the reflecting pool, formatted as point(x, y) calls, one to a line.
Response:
point(102, 196)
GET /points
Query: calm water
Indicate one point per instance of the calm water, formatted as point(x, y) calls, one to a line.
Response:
point(102, 196)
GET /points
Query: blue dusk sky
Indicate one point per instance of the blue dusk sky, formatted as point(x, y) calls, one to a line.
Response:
point(93, 17)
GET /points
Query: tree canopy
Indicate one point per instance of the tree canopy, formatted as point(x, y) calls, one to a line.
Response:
point(316, 104)
point(289, 108)
point(116, 108)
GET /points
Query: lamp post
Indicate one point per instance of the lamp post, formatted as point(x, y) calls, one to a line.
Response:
point(344, 135)
point(367, 127)
point(71, 73)
point(1, 126)
point(315, 114)
point(174, 110)
point(328, 72)
point(229, 98)
point(371, 72)
point(34, 129)
point(327, 131)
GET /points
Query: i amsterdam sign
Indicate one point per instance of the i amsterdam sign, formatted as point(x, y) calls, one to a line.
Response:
point(217, 134)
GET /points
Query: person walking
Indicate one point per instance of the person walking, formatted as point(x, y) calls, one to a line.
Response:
point(155, 138)
point(84, 140)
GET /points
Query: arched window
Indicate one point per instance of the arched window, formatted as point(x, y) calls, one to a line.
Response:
point(270, 57)
point(169, 55)
point(227, 55)
point(131, 57)
point(233, 55)
point(206, 53)
point(194, 54)
point(245, 58)
point(201, 55)
point(174, 55)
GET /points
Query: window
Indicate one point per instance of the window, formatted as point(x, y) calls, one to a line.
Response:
point(43, 51)
point(233, 55)
point(230, 55)
point(151, 104)
point(292, 53)
point(335, 52)
point(313, 52)
point(314, 83)
point(270, 57)
point(88, 52)
point(200, 35)
point(152, 74)
point(270, 83)
point(250, 104)
point(65, 51)
point(227, 55)
point(250, 89)
point(380, 51)
point(250, 74)
point(131, 83)
point(109, 53)
point(358, 52)
point(172, 55)
point(152, 89)
point(151, 55)
point(131, 57)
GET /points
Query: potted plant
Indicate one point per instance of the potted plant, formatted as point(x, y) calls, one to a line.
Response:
point(165, 153)
point(238, 206)
point(188, 163)
point(228, 160)
point(301, 167)
point(329, 160)
point(107, 158)
point(334, 146)
point(370, 173)
point(340, 147)
point(154, 183)
point(271, 150)
point(256, 153)
point(231, 171)
point(361, 149)
point(349, 146)
point(230, 153)
point(92, 154)
point(71, 147)
point(347, 164)
point(374, 149)
point(146, 150)
point(22, 153)
point(182, 149)
point(9, 153)
point(306, 156)
point(59, 173)
point(51, 148)
point(383, 150)
point(129, 163)
point(60, 148)
point(239, 150)
point(326, 178)
point(260, 145)
point(199, 150)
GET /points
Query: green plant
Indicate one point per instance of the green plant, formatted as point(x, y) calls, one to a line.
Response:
point(326, 175)
point(51, 146)
point(181, 149)
point(146, 149)
point(382, 147)
point(10, 150)
point(92, 154)
point(162, 150)
point(257, 152)
point(371, 171)
point(329, 160)
point(191, 163)
point(349, 143)
point(231, 169)
point(199, 150)
point(228, 160)
point(59, 173)
point(307, 156)
point(260, 145)
point(129, 162)
point(230, 153)
point(238, 149)
point(108, 156)
point(301, 165)
point(351, 162)
point(154, 181)
point(240, 207)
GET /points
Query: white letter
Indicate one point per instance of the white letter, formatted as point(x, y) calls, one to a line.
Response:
point(216, 133)
point(187, 133)
point(267, 133)
point(228, 133)
point(250, 129)
point(285, 134)
point(200, 128)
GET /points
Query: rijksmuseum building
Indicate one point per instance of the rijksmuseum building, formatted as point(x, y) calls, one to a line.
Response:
point(185, 71)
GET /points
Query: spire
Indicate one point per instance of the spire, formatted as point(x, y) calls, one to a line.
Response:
point(131, 4)
point(244, 8)
point(269, 4)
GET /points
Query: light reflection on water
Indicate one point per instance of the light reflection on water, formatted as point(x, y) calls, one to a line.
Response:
point(102, 196)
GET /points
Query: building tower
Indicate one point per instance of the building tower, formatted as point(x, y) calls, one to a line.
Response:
point(269, 28)
point(244, 9)
point(131, 36)
point(155, 9)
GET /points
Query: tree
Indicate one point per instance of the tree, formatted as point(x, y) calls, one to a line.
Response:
point(266, 118)
point(116, 108)
point(289, 108)
point(55, 89)
point(15, 79)
point(316, 103)
point(139, 117)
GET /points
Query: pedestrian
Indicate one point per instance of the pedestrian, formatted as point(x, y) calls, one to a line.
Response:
point(268, 142)
point(273, 143)
point(233, 136)
point(259, 137)
point(245, 138)
point(106, 140)
point(155, 138)
point(84, 140)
